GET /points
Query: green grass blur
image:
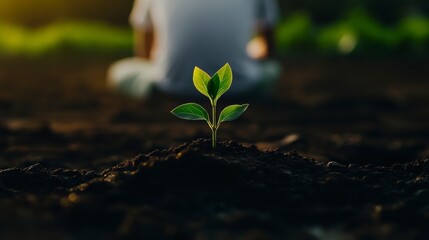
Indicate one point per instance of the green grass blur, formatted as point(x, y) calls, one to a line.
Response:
point(356, 34)
point(70, 38)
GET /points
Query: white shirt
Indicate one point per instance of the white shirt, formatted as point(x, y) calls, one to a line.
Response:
point(203, 33)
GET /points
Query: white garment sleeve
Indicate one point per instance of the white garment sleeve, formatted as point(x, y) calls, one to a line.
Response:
point(140, 16)
point(268, 12)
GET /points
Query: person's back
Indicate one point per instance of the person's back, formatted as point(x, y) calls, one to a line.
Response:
point(203, 33)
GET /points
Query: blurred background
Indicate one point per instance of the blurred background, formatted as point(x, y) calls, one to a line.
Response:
point(332, 27)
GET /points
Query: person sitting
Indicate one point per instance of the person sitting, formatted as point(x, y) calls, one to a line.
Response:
point(174, 36)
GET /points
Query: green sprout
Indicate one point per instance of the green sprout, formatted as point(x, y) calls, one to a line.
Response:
point(213, 88)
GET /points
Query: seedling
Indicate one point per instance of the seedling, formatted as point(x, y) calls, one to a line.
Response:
point(213, 88)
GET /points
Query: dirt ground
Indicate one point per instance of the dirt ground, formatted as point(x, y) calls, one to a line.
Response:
point(340, 151)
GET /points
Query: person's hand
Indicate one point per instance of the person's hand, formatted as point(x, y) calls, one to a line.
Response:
point(258, 48)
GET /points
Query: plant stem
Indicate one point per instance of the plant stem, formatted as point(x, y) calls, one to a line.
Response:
point(214, 128)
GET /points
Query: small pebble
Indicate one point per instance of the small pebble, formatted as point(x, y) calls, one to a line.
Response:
point(289, 139)
point(422, 193)
point(34, 167)
point(352, 165)
point(333, 164)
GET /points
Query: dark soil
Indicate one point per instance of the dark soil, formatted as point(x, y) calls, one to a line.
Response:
point(339, 152)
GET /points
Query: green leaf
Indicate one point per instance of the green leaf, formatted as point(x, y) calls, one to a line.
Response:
point(213, 86)
point(225, 75)
point(232, 112)
point(201, 79)
point(191, 111)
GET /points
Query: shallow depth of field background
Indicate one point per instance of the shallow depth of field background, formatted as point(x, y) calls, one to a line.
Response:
point(353, 99)
point(34, 29)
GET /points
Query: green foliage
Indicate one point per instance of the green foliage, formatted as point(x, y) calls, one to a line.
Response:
point(414, 34)
point(232, 112)
point(64, 38)
point(225, 77)
point(213, 88)
point(357, 33)
point(295, 33)
point(201, 79)
point(191, 111)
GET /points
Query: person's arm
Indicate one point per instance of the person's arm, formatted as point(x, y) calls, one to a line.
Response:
point(143, 43)
point(140, 20)
point(268, 34)
point(263, 45)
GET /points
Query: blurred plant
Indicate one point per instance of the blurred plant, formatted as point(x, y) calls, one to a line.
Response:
point(357, 33)
point(295, 33)
point(64, 37)
point(213, 88)
point(414, 33)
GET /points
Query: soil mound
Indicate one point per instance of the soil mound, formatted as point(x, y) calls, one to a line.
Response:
point(192, 191)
